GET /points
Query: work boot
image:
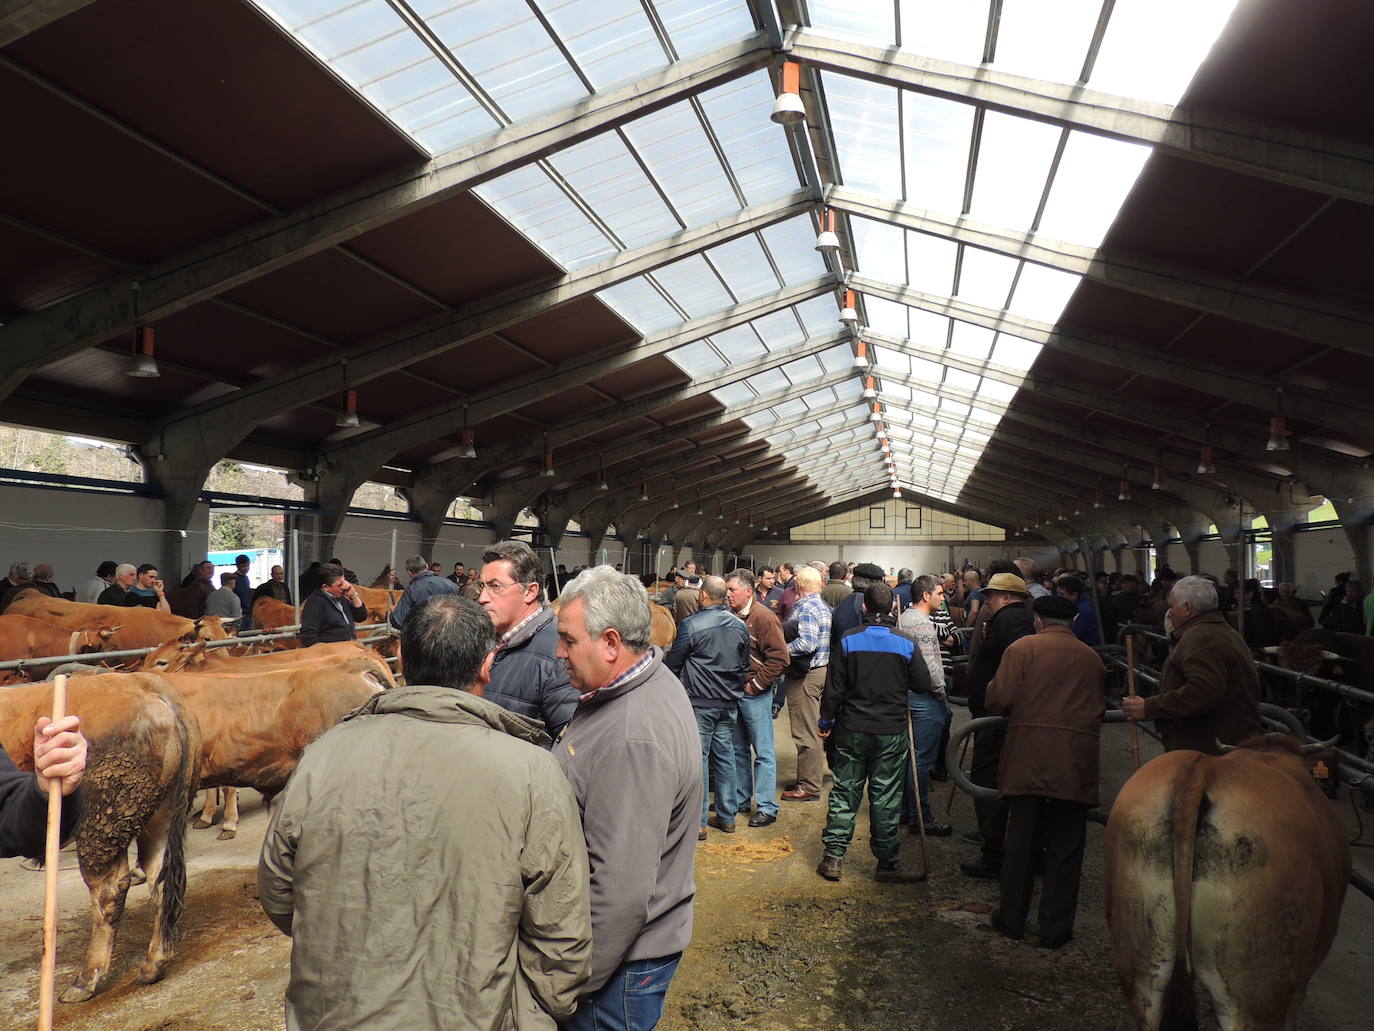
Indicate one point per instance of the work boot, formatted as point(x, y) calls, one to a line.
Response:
point(829, 867)
point(897, 873)
point(985, 867)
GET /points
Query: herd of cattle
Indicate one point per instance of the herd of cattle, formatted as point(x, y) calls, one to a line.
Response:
point(1229, 871)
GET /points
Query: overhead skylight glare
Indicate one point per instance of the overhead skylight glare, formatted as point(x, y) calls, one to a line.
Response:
point(1152, 48)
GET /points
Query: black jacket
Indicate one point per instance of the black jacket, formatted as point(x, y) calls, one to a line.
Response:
point(1010, 623)
point(848, 615)
point(868, 680)
point(528, 680)
point(710, 655)
point(24, 812)
point(323, 620)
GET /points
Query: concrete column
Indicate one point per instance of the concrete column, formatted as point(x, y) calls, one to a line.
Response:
point(1357, 523)
point(431, 504)
point(1193, 550)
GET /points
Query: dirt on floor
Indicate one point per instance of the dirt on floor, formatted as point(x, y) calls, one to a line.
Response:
point(775, 946)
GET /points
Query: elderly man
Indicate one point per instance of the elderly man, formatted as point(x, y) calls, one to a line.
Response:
point(1049, 685)
point(1209, 690)
point(13, 586)
point(424, 584)
point(1008, 621)
point(929, 709)
point(687, 599)
point(872, 671)
point(42, 580)
point(402, 916)
point(124, 577)
point(224, 602)
point(146, 590)
point(526, 677)
point(767, 657)
point(849, 613)
point(329, 614)
point(809, 647)
point(273, 587)
point(633, 755)
point(710, 655)
point(1030, 573)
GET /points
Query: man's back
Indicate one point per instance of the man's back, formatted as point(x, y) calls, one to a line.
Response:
point(431, 870)
point(710, 655)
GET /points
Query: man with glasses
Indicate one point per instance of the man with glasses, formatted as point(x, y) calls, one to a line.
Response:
point(526, 678)
point(329, 613)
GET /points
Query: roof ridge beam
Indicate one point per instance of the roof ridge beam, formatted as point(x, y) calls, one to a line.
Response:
point(1321, 320)
point(209, 269)
point(1308, 160)
point(31, 15)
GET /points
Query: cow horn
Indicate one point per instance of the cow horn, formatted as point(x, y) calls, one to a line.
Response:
point(106, 632)
point(1315, 747)
point(1223, 747)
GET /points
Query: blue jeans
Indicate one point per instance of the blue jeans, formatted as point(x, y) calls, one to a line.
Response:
point(632, 1000)
point(755, 727)
point(717, 727)
point(928, 718)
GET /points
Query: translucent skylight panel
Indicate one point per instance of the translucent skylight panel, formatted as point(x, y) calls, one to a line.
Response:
point(887, 359)
point(836, 359)
point(970, 341)
point(679, 155)
point(697, 359)
point(788, 409)
point(781, 329)
point(1042, 293)
point(927, 371)
point(1014, 353)
point(770, 382)
point(1091, 183)
point(1153, 47)
point(610, 181)
point(792, 245)
point(831, 420)
point(1045, 39)
point(1013, 163)
point(733, 394)
point(985, 278)
point(997, 391)
point(740, 344)
point(503, 46)
point(863, 118)
point(949, 31)
point(928, 330)
point(930, 263)
point(760, 420)
point(744, 266)
point(691, 283)
point(886, 317)
point(696, 26)
point(860, 19)
point(936, 139)
point(639, 304)
point(960, 380)
point(530, 201)
point(444, 117)
point(983, 415)
point(755, 147)
point(848, 390)
point(879, 248)
point(611, 40)
point(803, 370)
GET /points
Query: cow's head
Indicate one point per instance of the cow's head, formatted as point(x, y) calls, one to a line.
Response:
point(172, 657)
point(210, 628)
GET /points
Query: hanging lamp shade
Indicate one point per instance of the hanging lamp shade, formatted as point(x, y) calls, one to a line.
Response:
point(1204, 462)
point(675, 499)
point(876, 415)
point(1098, 502)
point(1124, 493)
point(467, 447)
point(1158, 482)
point(1278, 434)
point(788, 108)
point(348, 414)
point(548, 463)
point(826, 240)
point(142, 364)
point(849, 315)
point(870, 389)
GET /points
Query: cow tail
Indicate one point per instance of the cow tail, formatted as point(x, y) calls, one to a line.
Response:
point(171, 878)
point(1189, 790)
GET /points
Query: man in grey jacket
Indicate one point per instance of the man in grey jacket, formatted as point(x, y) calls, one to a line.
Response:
point(426, 856)
point(634, 759)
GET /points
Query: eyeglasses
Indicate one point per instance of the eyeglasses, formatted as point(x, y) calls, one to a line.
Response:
point(497, 587)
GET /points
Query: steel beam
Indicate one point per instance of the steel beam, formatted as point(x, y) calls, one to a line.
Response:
point(239, 257)
point(1306, 159)
point(21, 17)
point(1332, 323)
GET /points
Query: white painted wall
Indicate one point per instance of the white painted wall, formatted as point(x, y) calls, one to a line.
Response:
point(923, 558)
point(1318, 556)
point(75, 531)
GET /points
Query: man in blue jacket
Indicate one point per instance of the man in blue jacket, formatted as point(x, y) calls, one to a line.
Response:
point(865, 707)
point(424, 584)
point(526, 678)
point(710, 655)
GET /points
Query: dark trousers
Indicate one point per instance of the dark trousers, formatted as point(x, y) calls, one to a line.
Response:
point(992, 816)
point(1060, 828)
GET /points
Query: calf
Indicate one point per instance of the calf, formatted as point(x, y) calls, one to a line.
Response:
point(141, 775)
point(134, 626)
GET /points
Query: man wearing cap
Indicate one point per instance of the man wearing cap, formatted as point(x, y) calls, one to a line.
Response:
point(849, 613)
point(1049, 686)
point(688, 597)
point(1009, 621)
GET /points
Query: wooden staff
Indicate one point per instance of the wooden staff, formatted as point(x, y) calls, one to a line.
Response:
point(1130, 693)
point(48, 973)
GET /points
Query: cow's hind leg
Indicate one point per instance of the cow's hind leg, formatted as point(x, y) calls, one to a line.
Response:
point(207, 813)
point(109, 888)
point(231, 814)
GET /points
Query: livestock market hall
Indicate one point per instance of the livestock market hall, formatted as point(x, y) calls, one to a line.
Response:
point(769, 514)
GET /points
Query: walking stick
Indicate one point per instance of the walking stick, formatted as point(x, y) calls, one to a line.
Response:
point(1130, 692)
point(953, 787)
point(48, 972)
point(916, 784)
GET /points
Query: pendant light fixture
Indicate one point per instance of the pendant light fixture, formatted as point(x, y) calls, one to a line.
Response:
point(788, 109)
point(142, 364)
point(826, 240)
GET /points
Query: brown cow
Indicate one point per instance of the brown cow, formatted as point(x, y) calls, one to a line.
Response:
point(270, 614)
point(138, 627)
point(22, 637)
point(174, 657)
point(663, 627)
point(141, 775)
point(254, 726)
point(377, 603)
point(1230, 870)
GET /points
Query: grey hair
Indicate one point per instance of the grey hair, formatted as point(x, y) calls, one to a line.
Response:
point(904, 574)
point(1196, 591)
point(20, 571)
point(744, 576)
point(416, 564)
point(819, 566)
point(525, 567)
point(125, 567)
point(611, 599)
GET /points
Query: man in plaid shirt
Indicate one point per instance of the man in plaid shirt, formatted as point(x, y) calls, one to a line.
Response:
point(810, 651)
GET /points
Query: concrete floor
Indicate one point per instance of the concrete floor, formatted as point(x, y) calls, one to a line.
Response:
point(775, 946)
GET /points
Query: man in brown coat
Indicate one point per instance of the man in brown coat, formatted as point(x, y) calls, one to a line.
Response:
point(767, 657)
point(1049, 685)
point(1209, 690)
